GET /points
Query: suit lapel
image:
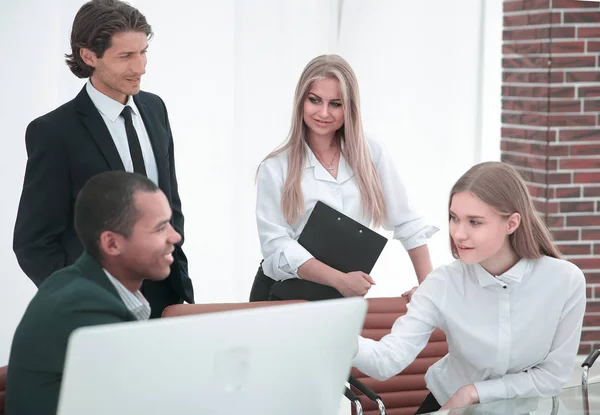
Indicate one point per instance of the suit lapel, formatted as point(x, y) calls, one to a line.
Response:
point(94, 123)
point(157, 135)
point(92, 270)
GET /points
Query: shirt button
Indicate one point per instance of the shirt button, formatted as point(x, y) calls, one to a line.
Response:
point(504, 286)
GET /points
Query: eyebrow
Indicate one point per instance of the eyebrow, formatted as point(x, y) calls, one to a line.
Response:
point(312, 93)
point(130, 52)
point(469, 216)
point(162, 223)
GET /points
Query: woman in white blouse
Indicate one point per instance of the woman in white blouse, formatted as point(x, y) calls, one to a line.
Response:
point(510, 307)
point(327, 158)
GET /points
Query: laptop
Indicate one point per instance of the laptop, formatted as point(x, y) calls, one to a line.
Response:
point(291, 359)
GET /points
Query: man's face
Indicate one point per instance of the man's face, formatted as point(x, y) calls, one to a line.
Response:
point(148, 252)
point(119, 72)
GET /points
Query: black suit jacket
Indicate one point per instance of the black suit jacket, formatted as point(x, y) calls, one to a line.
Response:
point(65, 148)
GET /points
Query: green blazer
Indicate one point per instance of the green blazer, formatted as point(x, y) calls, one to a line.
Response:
point(76, 296)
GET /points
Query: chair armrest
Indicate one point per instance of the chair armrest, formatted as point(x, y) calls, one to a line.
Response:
point(589, 361)
point(586, 365)
point(353, 398)
point(368, 392)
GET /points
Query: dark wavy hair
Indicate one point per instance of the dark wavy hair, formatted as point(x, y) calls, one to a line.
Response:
point(95, 24)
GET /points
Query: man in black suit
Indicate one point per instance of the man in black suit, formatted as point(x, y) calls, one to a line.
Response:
point(110, 125)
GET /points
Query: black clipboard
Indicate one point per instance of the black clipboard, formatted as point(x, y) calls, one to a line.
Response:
point(338, 241)
point(341, 242)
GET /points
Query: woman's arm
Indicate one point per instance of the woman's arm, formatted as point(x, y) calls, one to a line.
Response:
point(421, 261)
point(282, 254)
point(349, 284)
point(408, 225)
point(410, 333)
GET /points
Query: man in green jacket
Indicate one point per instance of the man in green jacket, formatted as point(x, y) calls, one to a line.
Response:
point(123, 222)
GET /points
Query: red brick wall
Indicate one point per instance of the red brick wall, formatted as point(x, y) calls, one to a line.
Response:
point(551, 126)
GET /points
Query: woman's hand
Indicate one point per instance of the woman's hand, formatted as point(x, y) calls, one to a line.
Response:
point(355, 284)
point(410, 293)
point(467, 395)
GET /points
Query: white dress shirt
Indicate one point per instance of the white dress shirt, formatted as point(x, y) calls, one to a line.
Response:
point(282, 254)
point(514, 335)
point(110, 110)
point(135, 302)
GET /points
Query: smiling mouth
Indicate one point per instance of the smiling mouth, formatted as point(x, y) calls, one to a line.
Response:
point(463, 247)
point(322, 122)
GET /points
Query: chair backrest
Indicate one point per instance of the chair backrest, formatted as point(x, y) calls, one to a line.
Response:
point(189, 309)
point(3, 371)
point(403, 393)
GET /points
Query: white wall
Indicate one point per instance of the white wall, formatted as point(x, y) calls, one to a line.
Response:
point(227, 70)
point(30, 71)
point(419, 66)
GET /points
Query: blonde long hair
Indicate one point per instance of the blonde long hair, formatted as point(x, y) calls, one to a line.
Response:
point(500, 186)
point(356, 151)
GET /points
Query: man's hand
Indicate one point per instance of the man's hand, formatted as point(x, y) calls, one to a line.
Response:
point(467, 395)
point(409, 294)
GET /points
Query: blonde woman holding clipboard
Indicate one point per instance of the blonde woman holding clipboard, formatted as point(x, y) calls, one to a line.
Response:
point(327, 158)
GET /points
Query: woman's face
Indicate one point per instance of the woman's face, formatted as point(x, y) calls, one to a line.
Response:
point(323, 113)
point(479, 233)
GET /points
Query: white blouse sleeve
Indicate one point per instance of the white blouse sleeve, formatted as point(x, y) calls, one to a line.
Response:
point(282, 254)
point(393, 353)
point(409, 227)
point(549, 376)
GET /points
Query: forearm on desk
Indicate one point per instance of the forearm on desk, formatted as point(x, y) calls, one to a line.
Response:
point(421, 261)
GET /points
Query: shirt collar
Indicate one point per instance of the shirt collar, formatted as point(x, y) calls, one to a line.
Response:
point(311, 159)
point(107, 106)
point(135, 302)
point(344, 170)
point(511, 277)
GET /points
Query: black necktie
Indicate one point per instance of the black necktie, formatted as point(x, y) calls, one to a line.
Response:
point(135, 150)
